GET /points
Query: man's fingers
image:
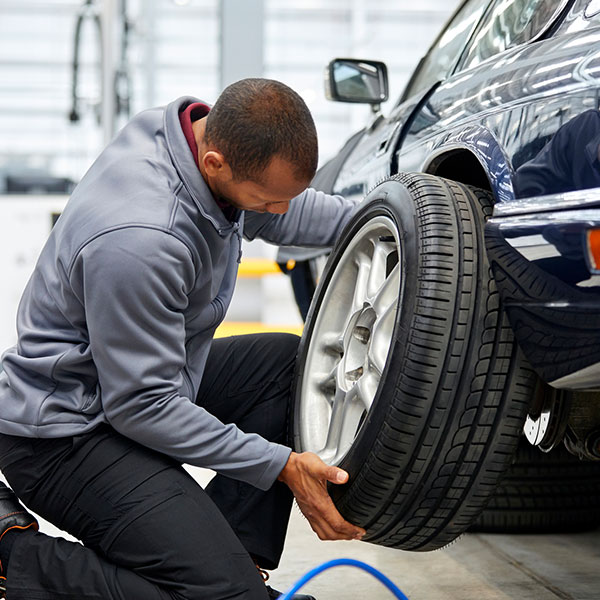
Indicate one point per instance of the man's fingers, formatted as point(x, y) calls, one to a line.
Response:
point(340, 525)
point(328, 523)
point(323, 530)
point(336, 475)
point(337, 532)
point(321, 470)
point(326, 531)
point(349, 531)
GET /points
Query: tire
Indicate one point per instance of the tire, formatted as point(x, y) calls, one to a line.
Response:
point(432, 416)
point(544, 493)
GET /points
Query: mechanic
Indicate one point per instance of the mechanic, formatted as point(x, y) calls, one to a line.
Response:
point(115, 380)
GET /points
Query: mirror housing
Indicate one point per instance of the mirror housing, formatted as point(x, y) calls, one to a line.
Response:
point(355, 80)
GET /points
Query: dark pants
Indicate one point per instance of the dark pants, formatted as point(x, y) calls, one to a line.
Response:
point(149, 531)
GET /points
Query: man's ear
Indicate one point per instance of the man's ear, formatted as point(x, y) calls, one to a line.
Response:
point(214, 163)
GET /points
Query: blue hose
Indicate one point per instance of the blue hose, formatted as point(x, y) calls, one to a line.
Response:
point(350, 562)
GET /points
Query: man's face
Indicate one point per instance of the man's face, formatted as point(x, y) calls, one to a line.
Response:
point(278, 185)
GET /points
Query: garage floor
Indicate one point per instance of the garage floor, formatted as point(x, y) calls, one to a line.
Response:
point(476, 567)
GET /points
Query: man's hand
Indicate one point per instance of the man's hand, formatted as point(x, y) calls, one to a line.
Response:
point(307, 476)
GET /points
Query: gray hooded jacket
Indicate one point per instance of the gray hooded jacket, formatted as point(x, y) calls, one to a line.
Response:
point(116, 322)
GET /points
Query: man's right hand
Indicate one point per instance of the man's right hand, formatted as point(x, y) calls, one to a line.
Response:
point(307, 476)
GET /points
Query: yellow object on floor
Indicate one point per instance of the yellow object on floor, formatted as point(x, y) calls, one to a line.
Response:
point(254, 268)
point(258, 267)
point(229, 328)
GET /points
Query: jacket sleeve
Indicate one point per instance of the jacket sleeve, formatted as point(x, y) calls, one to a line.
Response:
point(314, 219)
point(134, 284)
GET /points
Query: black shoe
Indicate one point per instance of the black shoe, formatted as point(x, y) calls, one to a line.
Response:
point(274, 594)
point(12, 516)
point(12, 513)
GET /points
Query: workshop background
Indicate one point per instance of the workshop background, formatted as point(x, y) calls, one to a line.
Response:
point(71, 74)
point(58, 62)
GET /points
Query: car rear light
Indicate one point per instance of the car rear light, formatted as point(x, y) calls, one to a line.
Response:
point(593, 246)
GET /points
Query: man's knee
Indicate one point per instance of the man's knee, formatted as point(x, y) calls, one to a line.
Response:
point(284, 345)
point(285, 348)
point(178, 539)
point(289, 343)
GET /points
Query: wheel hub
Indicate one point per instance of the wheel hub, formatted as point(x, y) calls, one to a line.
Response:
point(350, 341)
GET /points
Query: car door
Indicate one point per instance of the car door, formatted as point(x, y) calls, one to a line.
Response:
point(371, 159)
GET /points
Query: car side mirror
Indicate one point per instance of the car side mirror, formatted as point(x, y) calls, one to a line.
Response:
point(354, 80)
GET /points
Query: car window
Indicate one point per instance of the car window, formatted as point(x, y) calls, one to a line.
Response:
point(509, 23)
point(445, 51)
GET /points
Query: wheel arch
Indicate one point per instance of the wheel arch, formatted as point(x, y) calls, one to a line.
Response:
point(460, 165)
point(474, 157)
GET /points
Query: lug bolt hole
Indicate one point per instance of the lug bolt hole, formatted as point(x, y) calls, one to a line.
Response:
point(362, 334)
point(355, 374)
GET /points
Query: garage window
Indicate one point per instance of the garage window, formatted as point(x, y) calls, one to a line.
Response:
point(510, 23)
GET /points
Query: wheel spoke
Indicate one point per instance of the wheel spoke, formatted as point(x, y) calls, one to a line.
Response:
point(381, 338)
point(327, 381)
point(333, 343)
point(366, 388)
point(387, 294)
point(362, 279)
point(335, 425)
point(377, 271)
point(351, 417)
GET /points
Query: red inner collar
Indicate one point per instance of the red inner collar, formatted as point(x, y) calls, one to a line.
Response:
point(192, 113)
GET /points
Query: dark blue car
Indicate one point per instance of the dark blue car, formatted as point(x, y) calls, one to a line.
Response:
point(460, 309)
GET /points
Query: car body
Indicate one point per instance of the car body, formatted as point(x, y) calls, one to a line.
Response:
point(501, 80)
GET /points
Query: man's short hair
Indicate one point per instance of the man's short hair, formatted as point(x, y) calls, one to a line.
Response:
point(254, 120)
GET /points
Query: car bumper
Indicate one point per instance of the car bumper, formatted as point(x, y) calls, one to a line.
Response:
point(549, 288)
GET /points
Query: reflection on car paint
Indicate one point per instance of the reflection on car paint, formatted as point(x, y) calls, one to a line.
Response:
point(568, 162)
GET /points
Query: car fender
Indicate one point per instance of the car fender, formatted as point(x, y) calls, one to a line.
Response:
point(483, 145)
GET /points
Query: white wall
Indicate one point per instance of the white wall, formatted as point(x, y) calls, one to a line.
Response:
point(25, 223)
point(174, 50)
